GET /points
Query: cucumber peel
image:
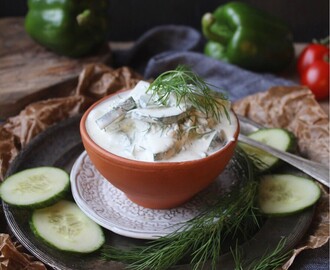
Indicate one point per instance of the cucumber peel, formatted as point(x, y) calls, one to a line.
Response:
point(35, 188)
point(278, 138)
point(284, 194)
point(65, 227)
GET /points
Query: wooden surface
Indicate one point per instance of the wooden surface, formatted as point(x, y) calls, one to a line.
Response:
point(29, 72)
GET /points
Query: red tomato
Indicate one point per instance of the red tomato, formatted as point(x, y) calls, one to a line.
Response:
point(310, 54)
point(316, 77)
point(313, 67)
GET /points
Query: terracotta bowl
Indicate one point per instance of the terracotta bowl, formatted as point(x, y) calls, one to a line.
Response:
point(157, 185)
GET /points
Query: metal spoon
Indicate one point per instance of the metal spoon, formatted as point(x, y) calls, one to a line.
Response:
point(316, 170)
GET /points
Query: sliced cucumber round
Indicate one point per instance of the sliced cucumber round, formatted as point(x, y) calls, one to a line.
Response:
point(283, 194)
point(65, 227)
point(35, 188)
point(278, 138)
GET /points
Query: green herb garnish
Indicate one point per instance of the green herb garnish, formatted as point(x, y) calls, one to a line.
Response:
point(271, 260)
point(201, 238)
point(188, 86)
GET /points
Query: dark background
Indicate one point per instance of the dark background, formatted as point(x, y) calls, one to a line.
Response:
point(308, 19)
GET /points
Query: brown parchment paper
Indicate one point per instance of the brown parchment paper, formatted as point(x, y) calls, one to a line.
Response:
point(293, 108)
point(13, 257)
point(95, 82)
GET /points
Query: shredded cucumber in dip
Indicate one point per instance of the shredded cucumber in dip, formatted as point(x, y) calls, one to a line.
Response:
point(150, 124)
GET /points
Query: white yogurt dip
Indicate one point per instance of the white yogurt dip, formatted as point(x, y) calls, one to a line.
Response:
point(135, 126)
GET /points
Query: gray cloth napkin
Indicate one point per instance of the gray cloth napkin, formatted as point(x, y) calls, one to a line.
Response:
point(236, 82)
point(165, 47)
point(176, 38)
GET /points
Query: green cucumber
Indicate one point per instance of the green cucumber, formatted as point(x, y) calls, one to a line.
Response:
point(35, 188)
point(278, 138)
point(65, 227)
point(283, 194)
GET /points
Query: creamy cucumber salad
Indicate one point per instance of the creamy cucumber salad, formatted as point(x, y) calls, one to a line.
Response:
point(137, 125)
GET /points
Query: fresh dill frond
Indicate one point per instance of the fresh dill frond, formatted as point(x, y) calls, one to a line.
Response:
point(201, 238)
point(187, 86)
point(271, 259)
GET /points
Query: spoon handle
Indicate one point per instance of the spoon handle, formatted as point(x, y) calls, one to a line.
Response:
point(316, 170)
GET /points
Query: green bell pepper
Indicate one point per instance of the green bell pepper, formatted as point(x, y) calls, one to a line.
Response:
point(68, 27)
point(248, 37)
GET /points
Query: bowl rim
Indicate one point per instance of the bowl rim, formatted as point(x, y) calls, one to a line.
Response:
point(106, 154)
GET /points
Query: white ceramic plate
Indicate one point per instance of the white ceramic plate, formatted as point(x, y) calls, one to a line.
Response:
point(110, 208)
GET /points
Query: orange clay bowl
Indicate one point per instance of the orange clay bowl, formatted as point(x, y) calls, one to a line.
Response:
point(157, 185)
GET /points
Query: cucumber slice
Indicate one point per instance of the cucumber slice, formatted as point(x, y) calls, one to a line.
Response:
point(65, 227)
point(283, 194)
point(35, 188)
point(278, 138)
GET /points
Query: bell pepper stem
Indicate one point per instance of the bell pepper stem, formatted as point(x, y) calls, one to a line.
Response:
point(220, 33)
point(84, 17)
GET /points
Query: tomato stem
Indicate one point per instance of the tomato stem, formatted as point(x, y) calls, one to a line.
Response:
point(323, 41)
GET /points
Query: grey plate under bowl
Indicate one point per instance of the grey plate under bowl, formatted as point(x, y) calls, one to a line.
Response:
point(60, 146)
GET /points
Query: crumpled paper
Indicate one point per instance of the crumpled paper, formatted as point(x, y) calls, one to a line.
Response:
point(293, 108)
point(13, 256)
point(95, 81)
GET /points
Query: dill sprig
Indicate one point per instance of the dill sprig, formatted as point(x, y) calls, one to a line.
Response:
point(188, 86)
point(271, 259)
point(201, 239)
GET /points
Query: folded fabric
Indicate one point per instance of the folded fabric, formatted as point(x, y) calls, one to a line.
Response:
point(235, 81)
point(165, 38)
point(165, 47)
